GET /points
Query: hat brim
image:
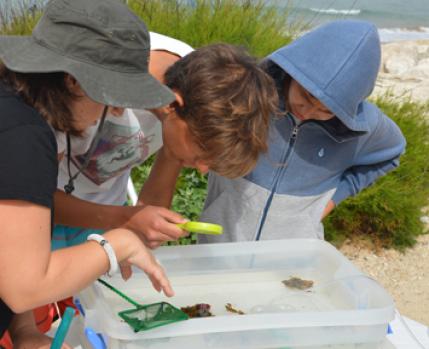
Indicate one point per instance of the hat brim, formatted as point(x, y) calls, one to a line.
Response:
point(119, 89)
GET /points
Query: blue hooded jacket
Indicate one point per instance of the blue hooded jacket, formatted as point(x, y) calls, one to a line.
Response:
point(310, 163)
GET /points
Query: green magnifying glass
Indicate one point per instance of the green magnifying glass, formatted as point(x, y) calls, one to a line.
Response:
point(201, 228)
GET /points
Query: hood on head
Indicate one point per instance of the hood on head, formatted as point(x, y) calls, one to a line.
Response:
point(338, 64)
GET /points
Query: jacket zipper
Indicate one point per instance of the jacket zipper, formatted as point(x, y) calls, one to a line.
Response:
point(276, 179)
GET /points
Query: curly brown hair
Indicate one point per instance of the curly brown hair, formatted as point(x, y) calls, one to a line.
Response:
point(228, 101)
point(45, 92)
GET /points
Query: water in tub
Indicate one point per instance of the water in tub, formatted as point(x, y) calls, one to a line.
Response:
point(249, 292)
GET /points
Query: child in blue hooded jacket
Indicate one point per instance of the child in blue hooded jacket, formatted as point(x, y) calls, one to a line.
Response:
point(329, 144)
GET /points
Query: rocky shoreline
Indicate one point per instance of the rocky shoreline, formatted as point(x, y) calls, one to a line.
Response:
point(404, 71)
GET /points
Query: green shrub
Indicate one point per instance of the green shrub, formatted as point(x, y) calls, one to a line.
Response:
point(389, 211)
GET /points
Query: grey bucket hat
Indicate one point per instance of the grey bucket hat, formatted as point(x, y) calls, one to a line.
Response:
point(101, 43)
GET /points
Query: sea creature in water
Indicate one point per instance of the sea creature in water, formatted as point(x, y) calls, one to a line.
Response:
point(231, 309)
point(198, 310)
point(298, 283)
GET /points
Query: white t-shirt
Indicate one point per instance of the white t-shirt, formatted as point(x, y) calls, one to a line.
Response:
point(125, 141)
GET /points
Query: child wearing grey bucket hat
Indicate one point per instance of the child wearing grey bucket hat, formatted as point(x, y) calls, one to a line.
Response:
point(84, 57)
point(101, 44)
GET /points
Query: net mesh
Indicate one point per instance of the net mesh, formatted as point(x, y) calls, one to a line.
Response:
point(146, 317)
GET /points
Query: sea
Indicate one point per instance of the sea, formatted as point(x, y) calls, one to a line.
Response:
point(396, 19)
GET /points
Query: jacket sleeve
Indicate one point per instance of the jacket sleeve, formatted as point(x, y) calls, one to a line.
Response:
point(378, 155)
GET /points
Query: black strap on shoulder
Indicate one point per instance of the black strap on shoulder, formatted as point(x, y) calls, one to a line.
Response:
point(69, 187)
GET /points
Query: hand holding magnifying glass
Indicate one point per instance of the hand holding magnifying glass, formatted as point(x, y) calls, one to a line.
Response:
point(201, 228)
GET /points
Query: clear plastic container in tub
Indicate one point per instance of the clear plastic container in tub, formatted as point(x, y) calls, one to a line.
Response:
point(344, 308)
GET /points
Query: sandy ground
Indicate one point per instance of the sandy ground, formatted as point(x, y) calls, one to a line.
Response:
point(404, 275)
point(404, 73)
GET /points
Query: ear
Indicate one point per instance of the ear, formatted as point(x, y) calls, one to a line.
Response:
point(163, 112)
point(72, 85)
point(179, 98)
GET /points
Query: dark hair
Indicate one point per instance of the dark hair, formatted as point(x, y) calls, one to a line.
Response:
point(46, 92)
point(281, 79)
point(228, 101)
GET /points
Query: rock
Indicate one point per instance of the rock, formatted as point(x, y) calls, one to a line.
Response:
point(424, 219)
point(404, 70)
point(398, 65)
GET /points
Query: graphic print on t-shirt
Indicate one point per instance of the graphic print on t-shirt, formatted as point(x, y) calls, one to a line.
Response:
point(118, 149)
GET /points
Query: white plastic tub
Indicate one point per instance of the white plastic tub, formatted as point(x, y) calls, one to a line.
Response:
point(344, 308)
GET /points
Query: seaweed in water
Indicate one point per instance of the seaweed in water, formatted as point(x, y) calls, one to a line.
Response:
point(231, 309)
point(198, 310)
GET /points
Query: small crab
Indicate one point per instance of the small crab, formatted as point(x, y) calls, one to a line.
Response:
point(298, 284)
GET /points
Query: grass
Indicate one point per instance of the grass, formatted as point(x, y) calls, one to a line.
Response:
point(260, 27)
point(19, 19)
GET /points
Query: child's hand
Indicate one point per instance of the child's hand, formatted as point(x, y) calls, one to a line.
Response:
point(130, 250)
point(156, 225)
point(145, 260)
point(329, 207)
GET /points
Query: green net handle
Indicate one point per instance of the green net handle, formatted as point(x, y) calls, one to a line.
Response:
point(124, 296)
